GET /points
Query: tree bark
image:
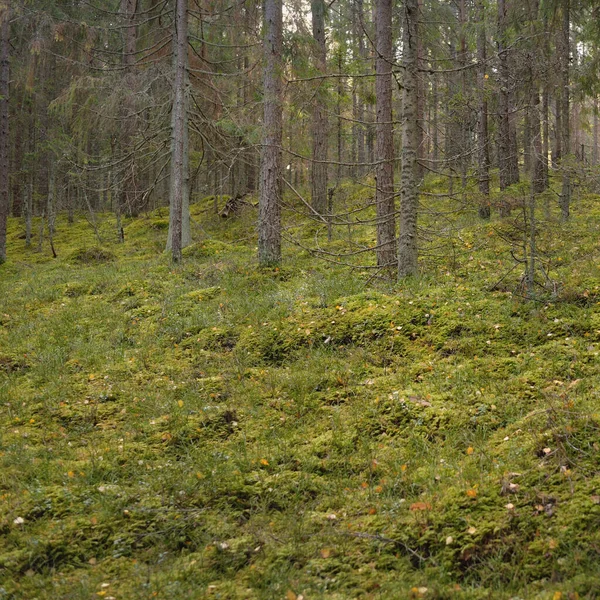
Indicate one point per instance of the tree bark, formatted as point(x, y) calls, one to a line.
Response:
point(358, 104)
point(179, 231)
point(595, 134)
point(127, 197)
point(419, 139)
point(565, 133)
point(4, 125)
point(270, 196)
point(483, 152)
point(320, 122)
point(407, 245)
point(507, 158)
point(384, 194)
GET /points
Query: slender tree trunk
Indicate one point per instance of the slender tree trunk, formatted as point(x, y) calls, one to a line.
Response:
point(435, 100)
point(507, 158)
point(4, 132)
point(419, 141)
point(546, 135)
point(358, 105)
point(179, 235)
point(270, 196)
point(483, 152)
point(545, 110)
point(595, 134)
point(384, 194)
point(407, 245)
point(340, 120)
point(463, 133)
point(127, 197)
point(16, 161)
point(557, 150)
point(31, 174)
point(565, 47)
point(320, 122)
point(51, 197)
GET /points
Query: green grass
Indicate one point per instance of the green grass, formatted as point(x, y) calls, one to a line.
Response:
point(216, 430)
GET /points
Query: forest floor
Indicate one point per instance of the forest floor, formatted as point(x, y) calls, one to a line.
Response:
point(212, 430)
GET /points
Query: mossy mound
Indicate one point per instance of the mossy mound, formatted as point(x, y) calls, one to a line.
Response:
point(91, 255)
point(207, 249)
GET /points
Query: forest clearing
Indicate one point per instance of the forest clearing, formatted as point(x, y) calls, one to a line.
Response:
point(299, 300)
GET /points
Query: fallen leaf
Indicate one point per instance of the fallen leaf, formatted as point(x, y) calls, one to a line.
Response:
point(470, 450)
point(419, 401)
point(472, 493)
point(325, 552)
point(420, 506)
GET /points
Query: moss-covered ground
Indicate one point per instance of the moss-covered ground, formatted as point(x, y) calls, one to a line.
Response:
point(213, 430)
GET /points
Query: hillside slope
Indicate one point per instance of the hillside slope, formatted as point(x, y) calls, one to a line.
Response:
point(211, 430)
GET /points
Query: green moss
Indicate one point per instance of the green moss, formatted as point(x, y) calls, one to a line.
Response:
point(214, 428)
point(93, 255)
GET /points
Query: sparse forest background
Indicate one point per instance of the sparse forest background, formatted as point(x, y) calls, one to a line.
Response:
point(478, 106)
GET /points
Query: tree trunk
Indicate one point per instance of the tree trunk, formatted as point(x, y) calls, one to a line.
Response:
point(384, 194)
point(507, 159)
point(407, 246)
point(320, 121)
point(270, 196)
point(483, 152)
point(4, 131)
point(421, 149)
point(595, 134)
point(179, 227)
point(127, 198)
point(358, 104)
point(565, 133)
point(464, 110)
point(546, 136)
point(340, 120)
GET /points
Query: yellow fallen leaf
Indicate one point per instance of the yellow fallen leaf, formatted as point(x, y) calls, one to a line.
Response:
point(472, 493)
point(180, 403)
point(290, 595)
point(470, 450)
point(265, 462)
